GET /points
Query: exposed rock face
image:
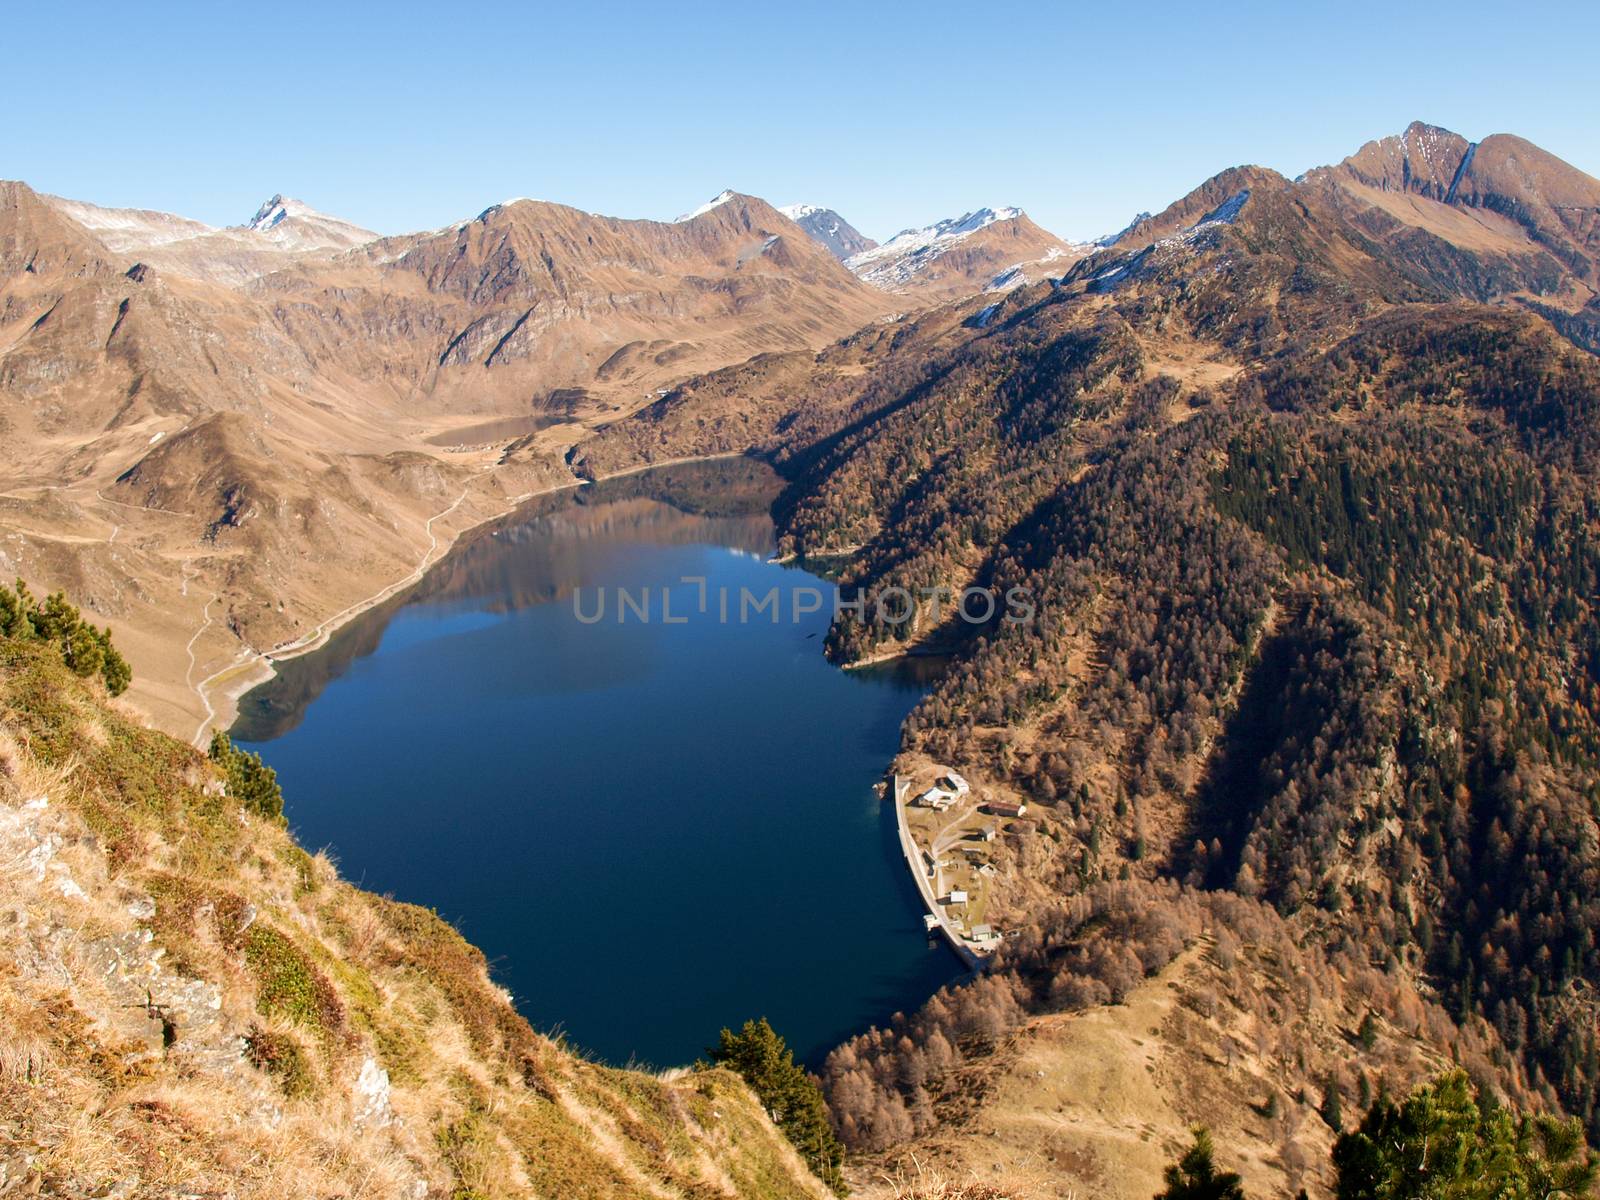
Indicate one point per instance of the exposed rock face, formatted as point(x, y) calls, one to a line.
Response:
point(1425, 159)
point(371, 1095)
point(1554, 205)
point(828, 229)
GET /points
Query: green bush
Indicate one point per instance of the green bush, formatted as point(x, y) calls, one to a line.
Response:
point(1195, 1175)
point(86, 649)
point(287, 985)
point(1445, 1141)
point(250, 781)
point(281, 1057)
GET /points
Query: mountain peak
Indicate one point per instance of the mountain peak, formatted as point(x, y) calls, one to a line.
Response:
point(295, 225)
point(930, 240)
point(277, 210)
point(1423, 159)
point(972, 252)
point(717, 201)
point(828, 229)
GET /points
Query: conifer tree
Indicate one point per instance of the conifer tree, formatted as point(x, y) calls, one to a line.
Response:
point(759, 1055)
point(1195, 1175)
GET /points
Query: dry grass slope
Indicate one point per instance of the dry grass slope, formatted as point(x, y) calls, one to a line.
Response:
point(191, 1004)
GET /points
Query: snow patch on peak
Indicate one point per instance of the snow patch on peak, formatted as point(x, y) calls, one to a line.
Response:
point(280, 208)
point(828, 229)
point(948, 230)
point(512, 202)
point(956, 227)
point(1427, 139)
point(1204, 234)
point(911, 251)
point(1228, 211)
point(294, 225)
point(721, 199)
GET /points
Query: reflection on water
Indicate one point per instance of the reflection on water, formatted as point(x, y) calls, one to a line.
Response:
point(499, 430)
point(541, 553)
point(653, 830)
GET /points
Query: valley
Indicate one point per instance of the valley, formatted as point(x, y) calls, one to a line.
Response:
point(283, 419)
point(1283, 799)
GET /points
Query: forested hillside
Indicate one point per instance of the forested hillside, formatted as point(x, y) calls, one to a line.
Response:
point(1308, 505)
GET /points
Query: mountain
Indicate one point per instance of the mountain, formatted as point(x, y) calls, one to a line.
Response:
point(1516, 219)
point(1292, 766)
point(1298, 479)
point(282, 232)
point(531, 300)
point(219, 439)
point(1499, 182)
point(298, 226)
point(991, 249)
point(828, 229)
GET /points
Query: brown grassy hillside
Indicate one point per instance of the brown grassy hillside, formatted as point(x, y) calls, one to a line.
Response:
point(192, 1005)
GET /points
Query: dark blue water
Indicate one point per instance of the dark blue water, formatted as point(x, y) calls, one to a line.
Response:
point(652, 829)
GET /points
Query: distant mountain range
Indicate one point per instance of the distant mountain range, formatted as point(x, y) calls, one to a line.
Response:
point(299, 387)
point(992, 249)
point(282, 232)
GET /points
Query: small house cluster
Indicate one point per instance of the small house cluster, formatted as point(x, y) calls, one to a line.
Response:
point(960, 843)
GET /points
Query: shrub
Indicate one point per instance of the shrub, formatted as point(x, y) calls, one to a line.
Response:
point(250, 781)
point(288, 985)
point(280, 1056)
point(1195, 1175)
point(1442, 1141)
point(86, 649)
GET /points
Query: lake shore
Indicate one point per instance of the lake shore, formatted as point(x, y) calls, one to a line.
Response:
point(494, 694)
point(219, 694)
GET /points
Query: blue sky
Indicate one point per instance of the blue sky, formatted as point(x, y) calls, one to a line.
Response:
point(409, 116)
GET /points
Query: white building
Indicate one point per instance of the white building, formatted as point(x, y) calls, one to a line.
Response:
point(954, 784)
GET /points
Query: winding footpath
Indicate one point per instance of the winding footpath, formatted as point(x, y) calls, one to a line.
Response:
point(317, 636)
